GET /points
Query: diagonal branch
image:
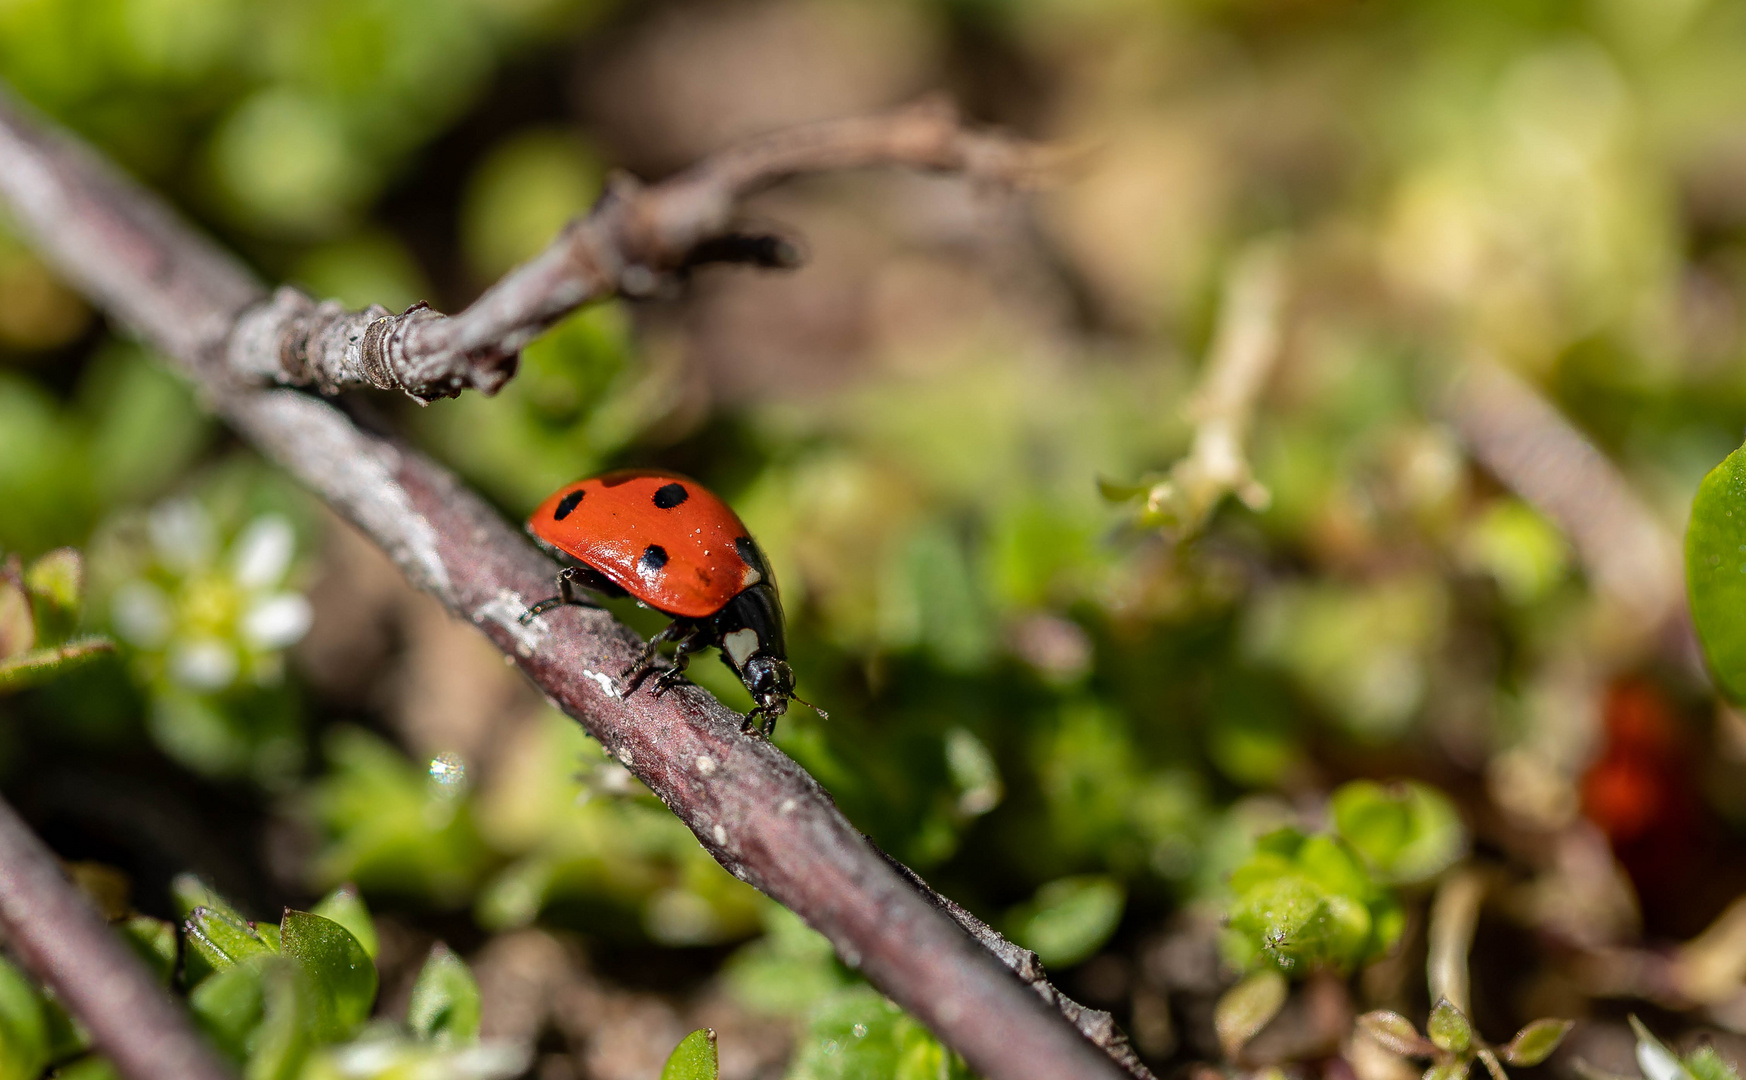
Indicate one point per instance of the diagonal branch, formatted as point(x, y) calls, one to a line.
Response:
point(635, 240)
point(752, 807)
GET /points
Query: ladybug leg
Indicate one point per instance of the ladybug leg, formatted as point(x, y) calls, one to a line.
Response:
point(681, 659)
point(567, 578)
point(639, 669)
point(757, 720)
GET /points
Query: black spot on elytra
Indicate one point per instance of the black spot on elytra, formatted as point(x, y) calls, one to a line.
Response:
point(567, 504)
point(749, 553)
point(666, 498)
point(654, 557)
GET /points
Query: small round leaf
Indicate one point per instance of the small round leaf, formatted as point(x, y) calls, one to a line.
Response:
point(694, 1058)
point(1534, 1043)
point(1247, 1007)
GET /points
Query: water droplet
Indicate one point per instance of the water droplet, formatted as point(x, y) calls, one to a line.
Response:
point(830, 1047)
point(860, 1031)
point(447, 770)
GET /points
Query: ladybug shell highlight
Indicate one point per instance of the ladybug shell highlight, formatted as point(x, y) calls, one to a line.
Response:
point(663, 538)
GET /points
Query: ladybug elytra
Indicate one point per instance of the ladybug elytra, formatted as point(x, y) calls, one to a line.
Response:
point(670, 543)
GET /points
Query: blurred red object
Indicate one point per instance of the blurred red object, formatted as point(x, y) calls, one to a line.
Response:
point(1642, 792)
point(1641, 784)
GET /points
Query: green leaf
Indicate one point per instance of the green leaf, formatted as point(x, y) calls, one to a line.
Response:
point(1535, 1043)
point(1453, 1069)
point(1405, 832)
point(65, 1036)
point(291, 1022)
point(23, 1032)
point(262, 1013)
point(17, 624)
point(89, 1067)
point(920, 1056)
point(445, 1000)
point(1705, 1064)
point(788, 970)
point(1247, 1007)
point(346, 907)
point(1070, 918)
point(342, 972)
point(856, 1034)
point(39, 665)
point(1308, 900)
point(1395, 1032)
point(154, 940)
point(221, 938)
point(189, 892)
point(1116, 491)
point(228, 1005)
point(694, 1058)
point(1449, 1028)
point(1715, 571)
point(58, 580)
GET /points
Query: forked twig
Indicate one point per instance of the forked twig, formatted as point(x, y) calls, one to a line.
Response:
point(635, 240)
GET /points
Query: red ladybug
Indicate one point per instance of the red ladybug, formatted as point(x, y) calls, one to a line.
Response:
point(668, 542)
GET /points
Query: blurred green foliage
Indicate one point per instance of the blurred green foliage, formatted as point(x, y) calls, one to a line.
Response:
point(291, 116)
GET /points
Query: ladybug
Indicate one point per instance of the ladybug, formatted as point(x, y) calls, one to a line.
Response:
point(668, 542)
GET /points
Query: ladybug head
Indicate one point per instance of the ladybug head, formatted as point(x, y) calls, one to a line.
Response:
point(771, 683)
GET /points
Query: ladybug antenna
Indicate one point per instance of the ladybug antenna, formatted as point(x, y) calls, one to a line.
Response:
point(822, 715)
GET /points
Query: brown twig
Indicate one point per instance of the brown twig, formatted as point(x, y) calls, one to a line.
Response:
point(1244, 350)
point(636, 239)
point(62, 939)
point(752, 808)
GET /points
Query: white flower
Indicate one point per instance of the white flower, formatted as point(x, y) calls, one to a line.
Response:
point(203, 663)
point(207, 615)
point(141, 614)
point(262, 553)
point(276, 621)
point(182, 535)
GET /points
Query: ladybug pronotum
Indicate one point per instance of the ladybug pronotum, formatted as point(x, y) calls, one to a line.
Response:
point(670, 543)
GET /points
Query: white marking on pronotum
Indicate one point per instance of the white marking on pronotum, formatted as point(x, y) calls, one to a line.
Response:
point(705, 764)
point(740, 645)
point(357, 474)
point(505, 610)
point(608, 685)
point(720, 835)
point(750, 578)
